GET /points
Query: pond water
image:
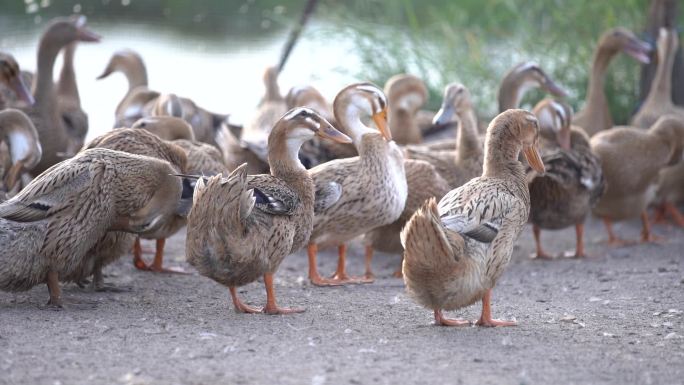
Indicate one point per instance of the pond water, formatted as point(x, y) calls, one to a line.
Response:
point(220, 74)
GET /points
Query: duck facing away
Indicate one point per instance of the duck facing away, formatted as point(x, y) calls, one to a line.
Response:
point(241, 227)
point(406, 94)
point(456, 250)
point(356, 195)
point(631, 159)
point(49, 229)
point(573, 181)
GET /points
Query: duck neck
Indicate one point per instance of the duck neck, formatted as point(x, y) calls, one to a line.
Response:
point(596, 97)
point(501, 155)
point(283, 157)
point(467, 139)
point(136, 74)
point(44, 84)
point(511, 93)
point(66, 86)
point(404, 127)
point(661, 86)
point(351, 122)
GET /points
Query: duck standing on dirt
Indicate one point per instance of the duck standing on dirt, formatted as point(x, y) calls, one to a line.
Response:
point(241, 227)
point(49, 229)
point(573, 181)
point(457, 250)
point(356, 195)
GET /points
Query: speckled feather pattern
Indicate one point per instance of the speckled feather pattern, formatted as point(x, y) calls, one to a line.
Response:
point(374, 192)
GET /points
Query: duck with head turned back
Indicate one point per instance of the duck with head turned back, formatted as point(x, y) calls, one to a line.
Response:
point(356, 195)
point(630, 184)
point(24, 150)
point(142, 142)
point(45, 113)
point(11, 79)
point(573, 181)
point(241, 227)
point(595, 115)
point(49, 229)
point(457, 250)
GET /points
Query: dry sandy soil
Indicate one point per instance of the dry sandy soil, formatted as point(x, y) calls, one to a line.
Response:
point(614, 318)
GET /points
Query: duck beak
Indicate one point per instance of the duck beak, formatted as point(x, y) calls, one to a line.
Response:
point(13, 175)
point(534, 159)
point(327, 131)
point(638, 50)
point(108, 71)
point(85, 34)
point(444, 116)
point(380, 120)
point(555, 89)
point(19, 87)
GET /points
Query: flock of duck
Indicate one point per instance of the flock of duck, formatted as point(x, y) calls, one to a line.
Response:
point(306, 173)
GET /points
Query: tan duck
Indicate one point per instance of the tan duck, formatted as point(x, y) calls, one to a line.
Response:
point(24, 150)
point(631, 159)
point(461, 165)
point(406, 94)
point(132, 66)
point(262, 218)
point(45, 113)
point(457, 250)
point(595, 116)
point(10, 77)
point(69, 100)
point(49, 229)
point(658, 102)
point(142, 142)
point(573, 181)
point(515, 84)
point(356, 195)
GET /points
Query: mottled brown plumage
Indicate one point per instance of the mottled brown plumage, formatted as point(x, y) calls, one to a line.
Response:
point(457, 250)
point(241, 227)
point(356, 195)
point(573, 181)
point(50, 228)
point(166, 127)
point(22, 151)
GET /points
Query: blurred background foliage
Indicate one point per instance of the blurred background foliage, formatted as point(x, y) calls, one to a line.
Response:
point(471, 41)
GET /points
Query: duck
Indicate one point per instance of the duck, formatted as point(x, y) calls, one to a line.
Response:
point(406, 94)
point(45, 113)
point(140, 101)
point(455, 166)
point(50, 228)
point(573, 182)
point(132, 66)
point(315, 152)
point(657, 103)
point(456, 250)
point(514, 85)
point(595, 115)
point(356, 195)
point(24, 149)
point(69, 102)
point(12, 80)
point(630, 185)
point(142, 142)
point(262, 218)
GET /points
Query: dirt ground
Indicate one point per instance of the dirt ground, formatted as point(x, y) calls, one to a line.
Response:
point(615, 318)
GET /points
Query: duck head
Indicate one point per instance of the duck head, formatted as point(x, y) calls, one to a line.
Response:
point(24, 145)
point(522, 78)
point(10, 75)
point(555, 118)
point(517, 127)
point(456, 99)
point(63, 31)
point(406, 93)
point(125, 61)
point(357, 103)
point(623, 40)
